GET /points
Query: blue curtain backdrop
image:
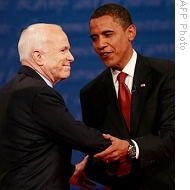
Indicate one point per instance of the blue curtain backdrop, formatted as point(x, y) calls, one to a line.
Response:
point(155, 21)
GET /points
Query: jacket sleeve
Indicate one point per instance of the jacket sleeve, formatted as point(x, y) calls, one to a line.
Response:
point(160, 143)
point(53, 120)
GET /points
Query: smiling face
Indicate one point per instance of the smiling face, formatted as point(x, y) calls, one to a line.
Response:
point(46, 49)
point(111, 41)
point(57, 59)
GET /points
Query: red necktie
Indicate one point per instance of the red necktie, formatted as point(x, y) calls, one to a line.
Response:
point(124, 98)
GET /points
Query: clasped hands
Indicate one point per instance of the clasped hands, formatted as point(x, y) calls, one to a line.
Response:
point(115, 156)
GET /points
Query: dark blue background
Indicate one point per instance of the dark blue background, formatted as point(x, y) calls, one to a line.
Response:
point(155, 21)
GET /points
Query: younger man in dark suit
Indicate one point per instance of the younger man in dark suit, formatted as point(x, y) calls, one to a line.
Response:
point(150, 130)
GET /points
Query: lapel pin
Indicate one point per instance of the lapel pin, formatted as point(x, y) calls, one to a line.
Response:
point(142, 85)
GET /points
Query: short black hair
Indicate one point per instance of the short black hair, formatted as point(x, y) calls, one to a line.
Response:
point(119, 14)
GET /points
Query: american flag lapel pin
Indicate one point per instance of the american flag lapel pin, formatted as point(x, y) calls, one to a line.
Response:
point(142, 85)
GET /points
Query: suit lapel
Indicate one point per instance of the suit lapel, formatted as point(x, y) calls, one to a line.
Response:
point(141, 81)
point(113, 108)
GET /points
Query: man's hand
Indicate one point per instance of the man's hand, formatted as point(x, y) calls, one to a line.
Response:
point(119, 168)
point(124, 168)
point(79, 178)
point(115, 152)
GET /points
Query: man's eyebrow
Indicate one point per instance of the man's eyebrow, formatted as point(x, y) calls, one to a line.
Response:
point(104, 32)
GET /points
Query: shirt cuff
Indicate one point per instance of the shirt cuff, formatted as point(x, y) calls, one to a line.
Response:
point(137, 149)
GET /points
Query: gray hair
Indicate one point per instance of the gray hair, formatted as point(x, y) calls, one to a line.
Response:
point(34, 37)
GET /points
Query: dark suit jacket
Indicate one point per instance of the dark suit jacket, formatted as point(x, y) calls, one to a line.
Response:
point(37, 135)
point(152, 123)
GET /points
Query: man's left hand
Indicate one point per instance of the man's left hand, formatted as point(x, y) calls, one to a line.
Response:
point(79, 178)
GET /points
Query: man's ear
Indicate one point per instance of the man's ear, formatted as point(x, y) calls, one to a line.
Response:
point(131, 32)
point(38, 57)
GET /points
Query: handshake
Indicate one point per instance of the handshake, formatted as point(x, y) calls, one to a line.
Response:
point(116, 158)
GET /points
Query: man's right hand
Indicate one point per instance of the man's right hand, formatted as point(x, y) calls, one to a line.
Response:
point(124, 168)
point(119, 168)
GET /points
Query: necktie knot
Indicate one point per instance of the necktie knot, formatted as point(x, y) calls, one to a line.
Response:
point(121, 77)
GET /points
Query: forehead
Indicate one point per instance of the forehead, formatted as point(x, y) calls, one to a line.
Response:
point(58, 34)
point(105, 22)
point(59, 38)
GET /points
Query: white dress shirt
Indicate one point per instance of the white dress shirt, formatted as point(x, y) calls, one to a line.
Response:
point(129, 70)
point(46, 80)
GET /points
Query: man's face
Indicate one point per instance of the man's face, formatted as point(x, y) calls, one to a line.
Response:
point(58, 57)
point(110, 41)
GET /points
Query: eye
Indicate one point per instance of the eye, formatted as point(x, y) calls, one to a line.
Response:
point(64, 50)
point(94, 38)
point(108, 34)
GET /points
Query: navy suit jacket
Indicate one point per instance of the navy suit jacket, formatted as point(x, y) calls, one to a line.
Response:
point(37, 135)
point(152, 123)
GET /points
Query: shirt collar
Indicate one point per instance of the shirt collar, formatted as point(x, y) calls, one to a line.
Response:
point(129, 67)
point(46, 80)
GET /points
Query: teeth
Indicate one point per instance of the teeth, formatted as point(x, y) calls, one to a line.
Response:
point(104, 54)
